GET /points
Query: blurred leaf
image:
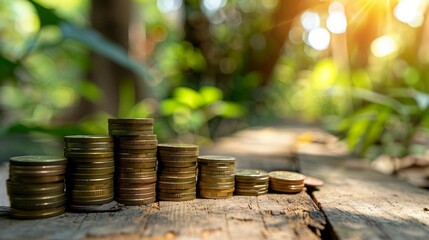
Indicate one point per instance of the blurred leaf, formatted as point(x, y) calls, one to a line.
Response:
point(188, 97)
point(139, 110)
point(380, 99)
point(356, 131)
point(376, 128)
point(211, 94)
point(52, 130)
point(197, 120)
point(101, 45)
point(90, 91)
point(47, 16)
point(169, 106)
point(230, 110)
point(6, 68)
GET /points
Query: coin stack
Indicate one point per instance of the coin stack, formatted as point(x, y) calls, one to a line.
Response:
point(251, 182)
point(177, 172)
point(90, 170)
point(135, 155)
point(36, 186)
point(216, 176)
point(286, 182)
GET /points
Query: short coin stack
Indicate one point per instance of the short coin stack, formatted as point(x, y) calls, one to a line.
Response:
point(216, 176)
point(286, 182)
point(135, 155)
point(90, 170)
point(177, 172)
point(251, 182)
point(36, 186)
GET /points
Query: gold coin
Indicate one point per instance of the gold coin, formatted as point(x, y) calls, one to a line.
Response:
point(177, 174)
point(202, 171)
point(166, 190)
point(130, 166)
point(125, 147)
point(162, 158)
point(215, 185)
point(91, 165)
point(216, 158)
point(85, 181)
point(126, 160)
point(178, 147)
point(122, 195)
point(34, 214)
point(88, 150)
point(121, 155)
point(38, 168)
point(41, 179)
point(130, 121)
point(215, 191)
point(217, 169)
point(215, 195)
point(251, 181)
point(181, 185)
point(31, 200)
point(150, 189)
point(126, 185)
point(135, 138)
point(250, 193)
point(89, 154)
point(178, 169)
point(92, 201)
point(14, 188)
point(39, 173)
point(88, 145)
point(176, 179)
point(37, 160)
point(251, 185)
point(131, 127)
point(96, 186)
point(150, 142)
point(89, 161)
point(216, 164)
point(98, 171)
point(177, 164)
point(38, 205)
point(215, 175)
point(286, 176)
point(139, 174)
point(250, 174)
point(217, 179)
point(164, 153)
point(176, 199)
point(87, 138)
point(134, 202)
point(91, 193)
point(176, 195)
point(122, 180)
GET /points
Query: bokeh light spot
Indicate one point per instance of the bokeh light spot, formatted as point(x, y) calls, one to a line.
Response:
point(319, 38)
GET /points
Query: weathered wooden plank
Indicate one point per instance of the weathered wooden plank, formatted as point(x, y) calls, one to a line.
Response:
point(363, 204)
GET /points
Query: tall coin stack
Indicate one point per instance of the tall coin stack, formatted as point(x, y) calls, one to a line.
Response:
point(177, 172)
point(36, 186)
point(286, 182)
point(135, 154)
point(216, 176)
point(251, 182)
point(90, 170)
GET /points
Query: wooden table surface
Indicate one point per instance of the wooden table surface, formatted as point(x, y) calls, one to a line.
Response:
point(355, 202)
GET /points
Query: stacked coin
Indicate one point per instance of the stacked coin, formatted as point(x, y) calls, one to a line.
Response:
point(216, 176)
point(135, 155)
point(177, 172)
point(251, 182)
point(36, 186)
point(90, 170)
point(286, 182)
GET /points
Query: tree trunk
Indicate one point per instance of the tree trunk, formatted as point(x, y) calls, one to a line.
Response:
point(111, 18)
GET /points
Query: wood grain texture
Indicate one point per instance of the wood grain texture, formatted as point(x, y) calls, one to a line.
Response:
point(362, 204)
